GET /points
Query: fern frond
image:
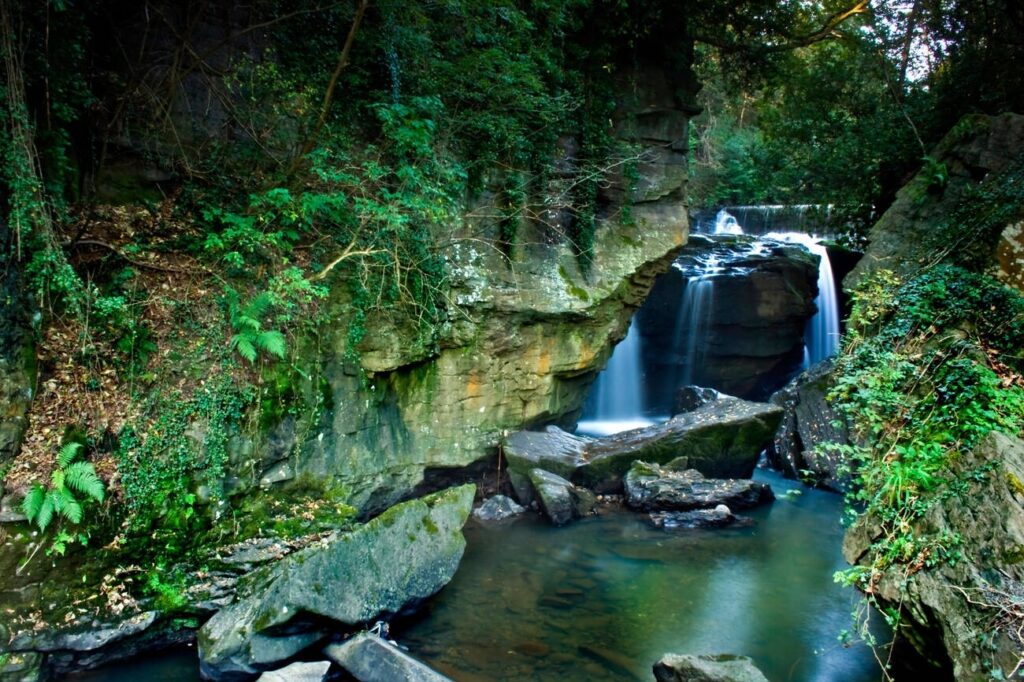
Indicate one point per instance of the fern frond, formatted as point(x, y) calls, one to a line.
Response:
point(66, 505)
point(68, 454)
point(81, 477)
point(57, 479)
point(273, 342)
point(245, 324)
point(243, 344)
point(258, 306)
point(33, 502)
point(46, 510)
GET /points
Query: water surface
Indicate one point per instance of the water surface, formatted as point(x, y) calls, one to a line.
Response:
point(604, 598)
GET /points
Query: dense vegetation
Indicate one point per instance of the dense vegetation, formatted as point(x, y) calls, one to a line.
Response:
point(187, 187)
point(848, 122)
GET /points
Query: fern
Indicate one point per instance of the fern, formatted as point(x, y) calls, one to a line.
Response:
point(272, 342)
point(32, 505)
point(71, 478)
point(250, 338)
point(68, 454)
point(81, 477)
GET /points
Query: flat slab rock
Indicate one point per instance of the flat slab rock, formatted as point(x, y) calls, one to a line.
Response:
point(651, 487)
point(369, 658)
point(298, 672)
point(350, 578)
point(722, 438)
point(712, 668)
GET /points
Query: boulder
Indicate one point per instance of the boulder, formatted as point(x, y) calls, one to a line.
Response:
point(298, 672)
point(975, 154)
point(88, 638)
point(721, 439)
point(690, 398)
point(350, 578)
point(496, 509)
point(559, 499)
point(369, 658)
point(650, 487)
point(809, 421)
point(719, 517)
point(753, 309)
point(711, 668)
point(948, 609)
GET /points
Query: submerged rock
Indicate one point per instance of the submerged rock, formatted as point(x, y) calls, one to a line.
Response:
point(711, 668)
point(298, 672)
point(497, 508)
point(650, 487)
point(560, 500)
point(369, 658)
point(394, 561)
point(719, 517)
point(722, 438)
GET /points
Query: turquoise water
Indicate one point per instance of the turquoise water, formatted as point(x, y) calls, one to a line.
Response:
point(604, 598)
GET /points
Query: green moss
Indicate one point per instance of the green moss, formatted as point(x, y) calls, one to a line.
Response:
point(1015, 484)
point(571, 288)
point(429, 524)
point(1014, 555)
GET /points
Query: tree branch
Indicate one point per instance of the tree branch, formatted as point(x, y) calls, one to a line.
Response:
point(325, 107)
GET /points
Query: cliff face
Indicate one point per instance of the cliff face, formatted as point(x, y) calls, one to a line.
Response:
point(527, 333)
point(958, 600)
point(973, 155)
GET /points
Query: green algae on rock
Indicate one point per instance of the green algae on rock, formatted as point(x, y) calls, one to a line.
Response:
point(349, 578)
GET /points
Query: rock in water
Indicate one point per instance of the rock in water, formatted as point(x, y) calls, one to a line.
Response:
point(713, 668)
point(808, 422)
point(722, 438)
point(496, 509)
point(560, 500)
point(650, 487)
point(389, 564)
point(719, 517)
point(369, 658)
point(298, 672)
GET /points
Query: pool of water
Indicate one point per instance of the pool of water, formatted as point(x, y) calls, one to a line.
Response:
point(604, 598)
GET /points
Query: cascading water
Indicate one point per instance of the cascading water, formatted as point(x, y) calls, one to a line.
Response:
point(616, 402)
point(821, 336)
point(725, 223)
point(694, 322)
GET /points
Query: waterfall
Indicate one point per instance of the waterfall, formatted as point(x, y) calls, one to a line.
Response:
point(821, 335)
point(725, 223)
point(616, 400)
point(695, 321)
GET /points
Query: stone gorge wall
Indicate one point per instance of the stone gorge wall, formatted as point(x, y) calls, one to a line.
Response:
point(527, 334)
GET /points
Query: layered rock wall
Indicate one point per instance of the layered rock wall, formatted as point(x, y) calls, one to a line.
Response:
point(528, 332)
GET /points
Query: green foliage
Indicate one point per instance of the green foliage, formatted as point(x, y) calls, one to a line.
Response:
point(71, 481)
point(250, 339)
point(185, 445)
point(167, 587)
point(926, 372)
